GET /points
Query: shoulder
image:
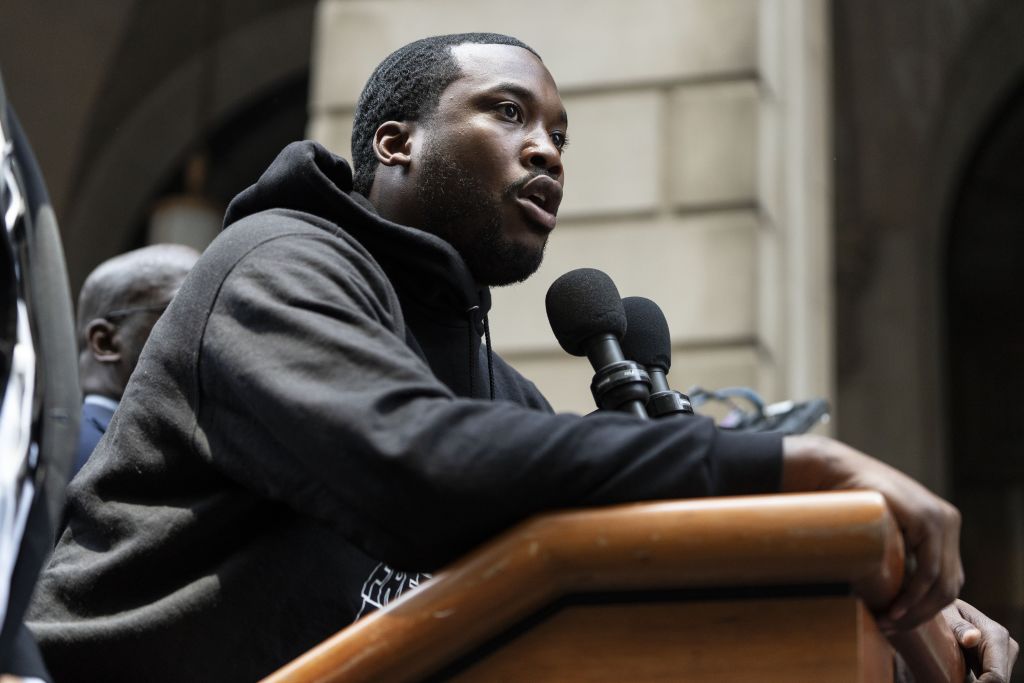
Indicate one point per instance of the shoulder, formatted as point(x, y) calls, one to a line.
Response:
point(286, 253)
point(279, 231)
point(291, 259)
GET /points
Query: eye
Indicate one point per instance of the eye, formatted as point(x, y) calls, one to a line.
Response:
point(511, 111)
point(560, 139)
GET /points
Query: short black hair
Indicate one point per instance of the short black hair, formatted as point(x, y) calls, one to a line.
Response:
point(407, 86)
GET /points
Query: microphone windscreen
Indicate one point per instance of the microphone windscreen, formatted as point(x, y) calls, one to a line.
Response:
point(583, 303)
point(647, 340)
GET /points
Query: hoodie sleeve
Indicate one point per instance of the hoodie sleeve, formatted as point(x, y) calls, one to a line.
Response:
point(309, 395)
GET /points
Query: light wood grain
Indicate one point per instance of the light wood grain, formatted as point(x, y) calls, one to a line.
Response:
point(791, 640)
point(846, 537)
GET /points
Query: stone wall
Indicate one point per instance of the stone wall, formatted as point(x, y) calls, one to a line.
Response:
point(696, 174)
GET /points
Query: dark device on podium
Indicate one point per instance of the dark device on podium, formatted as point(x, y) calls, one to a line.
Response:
point(647, 341)
point(586, 315)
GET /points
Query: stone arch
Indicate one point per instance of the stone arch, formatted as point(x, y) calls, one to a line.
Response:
point(118, 175)
point(974, 255)
point(986, 73)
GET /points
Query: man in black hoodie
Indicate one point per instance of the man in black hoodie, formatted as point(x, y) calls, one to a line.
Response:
point(315, 422)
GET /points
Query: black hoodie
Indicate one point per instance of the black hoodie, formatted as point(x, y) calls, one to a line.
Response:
point(313, 409)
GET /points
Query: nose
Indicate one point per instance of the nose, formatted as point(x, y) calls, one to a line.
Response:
point(540, 154)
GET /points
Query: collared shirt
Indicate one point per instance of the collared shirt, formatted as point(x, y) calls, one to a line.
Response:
point(97, 400)
point(96, 413)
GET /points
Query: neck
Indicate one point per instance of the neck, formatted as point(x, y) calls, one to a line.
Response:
point(101, 384)
point(394, 199)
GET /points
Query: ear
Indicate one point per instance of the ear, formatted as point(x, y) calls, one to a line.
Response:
point(104, 345)
point(392, 143)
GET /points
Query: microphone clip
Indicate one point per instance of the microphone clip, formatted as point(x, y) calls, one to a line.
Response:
point(618, 383)
point(668, 402)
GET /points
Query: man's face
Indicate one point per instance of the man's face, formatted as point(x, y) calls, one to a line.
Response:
point(489, 171)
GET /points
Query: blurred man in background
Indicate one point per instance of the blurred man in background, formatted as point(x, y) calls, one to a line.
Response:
point(119, 303)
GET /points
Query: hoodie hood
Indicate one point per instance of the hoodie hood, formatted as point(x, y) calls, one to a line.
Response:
point(307, 177)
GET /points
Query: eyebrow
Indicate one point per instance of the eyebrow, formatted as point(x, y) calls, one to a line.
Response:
point(526, 94)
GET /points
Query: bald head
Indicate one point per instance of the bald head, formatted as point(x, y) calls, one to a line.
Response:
point(119, 303)
point(144, 277)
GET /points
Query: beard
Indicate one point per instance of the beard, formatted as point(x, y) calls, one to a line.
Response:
point(457, 208)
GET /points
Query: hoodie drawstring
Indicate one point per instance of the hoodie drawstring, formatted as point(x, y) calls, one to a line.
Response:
point(472, 361)
point(490, 356)
point(490, 353)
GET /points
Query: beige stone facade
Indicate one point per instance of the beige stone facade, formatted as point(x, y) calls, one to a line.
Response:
point(696, 176)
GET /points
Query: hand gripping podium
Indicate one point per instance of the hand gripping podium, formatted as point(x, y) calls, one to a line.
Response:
point(756, 588)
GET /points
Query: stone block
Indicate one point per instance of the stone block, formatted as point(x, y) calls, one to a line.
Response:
point(711, 368)
point(333, 131)
point(702, 271)
point(771, 291)
point(613, 161)
point(597, 43)
point(713, 153)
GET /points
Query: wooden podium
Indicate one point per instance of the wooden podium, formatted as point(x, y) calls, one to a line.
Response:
point(758, 588)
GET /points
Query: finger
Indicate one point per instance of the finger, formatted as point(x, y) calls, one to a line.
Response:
point(970, 612)
point(939, 563)
point(996, 653)
point(995, 650)
point(994, 666)
point(922, 581)
point(927, 606)
point(966, 633)
point(996, 658)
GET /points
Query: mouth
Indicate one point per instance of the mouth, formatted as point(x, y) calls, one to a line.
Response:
point(540, 199)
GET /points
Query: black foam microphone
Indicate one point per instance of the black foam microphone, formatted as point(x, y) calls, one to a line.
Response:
point(647, 341)
point(587, 317)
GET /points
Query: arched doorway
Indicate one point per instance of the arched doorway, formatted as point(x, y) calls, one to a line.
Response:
point(237, 150)
point(929, 115)
point(178, 79)
point(985, 328)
